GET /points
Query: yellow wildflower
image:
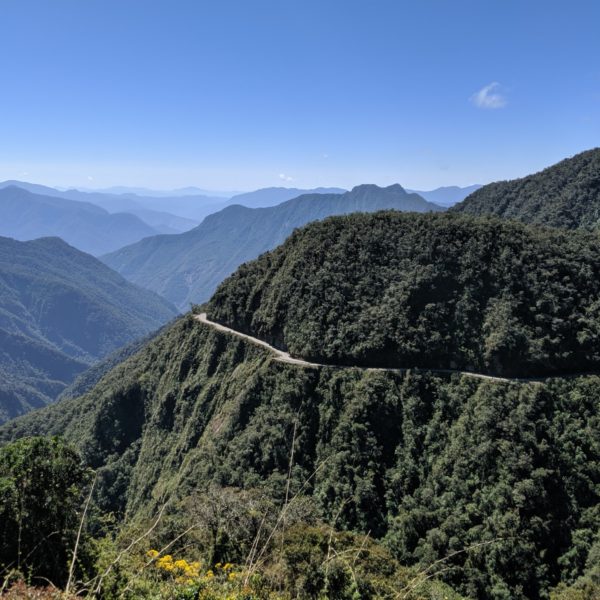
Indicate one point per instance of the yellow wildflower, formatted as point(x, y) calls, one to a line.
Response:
point(181, 564)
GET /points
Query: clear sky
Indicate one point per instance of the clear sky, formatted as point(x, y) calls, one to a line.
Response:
point(240, 94)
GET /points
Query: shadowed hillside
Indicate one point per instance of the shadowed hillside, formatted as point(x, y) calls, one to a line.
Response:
point(60, 311)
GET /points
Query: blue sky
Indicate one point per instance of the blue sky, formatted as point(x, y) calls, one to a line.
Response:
point(249, 93)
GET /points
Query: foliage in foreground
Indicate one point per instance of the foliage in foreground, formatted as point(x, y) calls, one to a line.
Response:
point(41, 483)
point(278, 557)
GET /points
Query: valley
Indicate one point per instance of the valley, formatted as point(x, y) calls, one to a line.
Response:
point(300, 300)
point(396, 373)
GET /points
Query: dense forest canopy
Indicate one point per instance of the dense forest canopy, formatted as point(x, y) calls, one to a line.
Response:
point(504, 477)
point(429, 291)
point(564, 195)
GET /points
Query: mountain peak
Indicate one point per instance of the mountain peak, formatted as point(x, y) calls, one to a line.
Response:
point(395, 188)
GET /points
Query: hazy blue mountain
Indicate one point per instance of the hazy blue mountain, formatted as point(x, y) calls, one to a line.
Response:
point(187, 268)
point(142, 191)
point(26, 216)
point(84, 382)
point(161, 221)
point(60, 311)
point(164, 222)
point(276, 195)
point(169, 212)
point(188, 208)
point(447, 195)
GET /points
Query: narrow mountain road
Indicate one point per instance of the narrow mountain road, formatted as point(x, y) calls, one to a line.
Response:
point(284, 357)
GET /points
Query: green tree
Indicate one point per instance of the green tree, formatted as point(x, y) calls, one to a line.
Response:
point(41, 485)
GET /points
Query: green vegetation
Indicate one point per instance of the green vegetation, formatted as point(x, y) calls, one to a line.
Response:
point(210, 451)
point(565, 195)
point(499, 481)
point(60, 311)
point(188, 267)
point(48, 533)
point(41, 484)
point(430, 291)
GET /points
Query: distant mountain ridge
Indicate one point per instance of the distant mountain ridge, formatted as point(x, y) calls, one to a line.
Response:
point(276, 195)
point(26, 216)
point(186, 268)
point(155, 193)
point(565, 195)
point(60, 311)
point(447, 195)
point(149, 210)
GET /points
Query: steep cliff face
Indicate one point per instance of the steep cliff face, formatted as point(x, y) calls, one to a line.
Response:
point(430, 463)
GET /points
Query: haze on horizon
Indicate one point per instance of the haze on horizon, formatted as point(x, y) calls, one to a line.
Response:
point(239, 95)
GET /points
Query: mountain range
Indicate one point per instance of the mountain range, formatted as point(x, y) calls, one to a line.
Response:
point(150, 210)
point(27, 216)
point(448, 195)
point(186, 268)
point(428, 381)
point(60, 311)
point(429, 462)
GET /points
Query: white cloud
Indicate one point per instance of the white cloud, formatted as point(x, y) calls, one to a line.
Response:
point(90, 178)
point(489, 97)
point(285, 177)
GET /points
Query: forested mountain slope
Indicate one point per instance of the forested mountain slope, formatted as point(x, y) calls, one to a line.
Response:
point(27, 216)
point(188, 267)
point(500, 480)
point(61, 310)
point(431, 464)
point(429, 291)
point(564, 195)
